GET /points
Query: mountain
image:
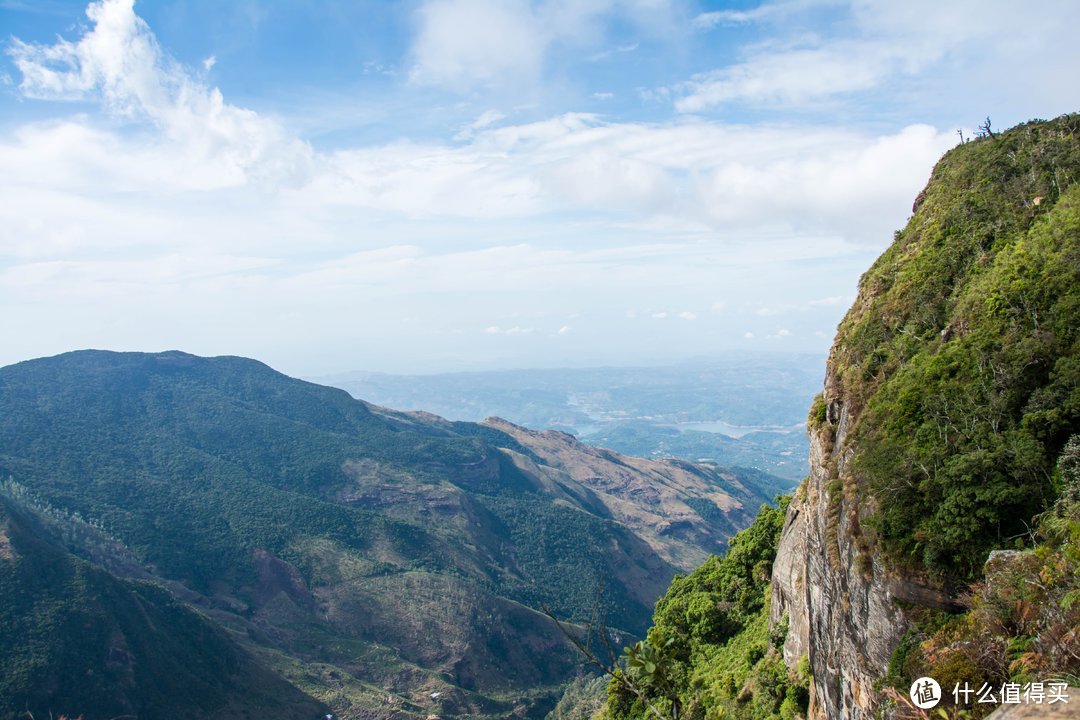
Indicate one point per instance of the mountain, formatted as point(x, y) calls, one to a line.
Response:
point(77, 639)
point(740, 409)
point(376, 560)
point(951, 391)
point(938, 533)
point(684, 511)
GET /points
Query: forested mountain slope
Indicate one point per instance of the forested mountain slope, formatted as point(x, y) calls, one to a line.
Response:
point(373, 558)
point(76, 639)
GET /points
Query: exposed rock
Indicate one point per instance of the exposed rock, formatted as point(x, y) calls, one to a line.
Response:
point(840, 607)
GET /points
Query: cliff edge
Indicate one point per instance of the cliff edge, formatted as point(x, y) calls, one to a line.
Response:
point(949, 396)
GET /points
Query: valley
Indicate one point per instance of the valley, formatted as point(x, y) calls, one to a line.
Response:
point(368, 558)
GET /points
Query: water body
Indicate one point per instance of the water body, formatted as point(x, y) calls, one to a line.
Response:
point(733, 431)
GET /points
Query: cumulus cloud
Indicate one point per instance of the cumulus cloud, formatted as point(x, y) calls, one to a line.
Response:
point(687, 315)
point(120, 62)
point(881, 44)
point(466, 45)
point(706, 174)
point(164, 215)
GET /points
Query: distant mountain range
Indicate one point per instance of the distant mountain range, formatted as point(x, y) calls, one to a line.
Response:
point(205, 538)
point(745, 410)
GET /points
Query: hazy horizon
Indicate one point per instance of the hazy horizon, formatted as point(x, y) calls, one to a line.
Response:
point(446, 185)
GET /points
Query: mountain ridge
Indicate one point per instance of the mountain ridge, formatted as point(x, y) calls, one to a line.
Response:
point(359, 552)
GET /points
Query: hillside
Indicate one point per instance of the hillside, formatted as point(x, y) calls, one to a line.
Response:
point(372, 558)
point(137, 649)
point(939, 531)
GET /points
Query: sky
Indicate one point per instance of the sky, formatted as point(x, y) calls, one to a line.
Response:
point(442, 185)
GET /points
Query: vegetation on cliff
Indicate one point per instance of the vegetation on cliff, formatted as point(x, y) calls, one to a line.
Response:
point(961, 358)
point(711, 653)
point(956, 380)
point(1023, 621)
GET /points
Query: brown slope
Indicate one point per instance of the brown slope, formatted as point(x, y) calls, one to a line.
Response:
point(684, 511)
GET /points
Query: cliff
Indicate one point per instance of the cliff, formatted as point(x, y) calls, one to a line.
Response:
point(949, 394)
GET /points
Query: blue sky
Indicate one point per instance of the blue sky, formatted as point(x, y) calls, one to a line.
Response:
point(468, 184)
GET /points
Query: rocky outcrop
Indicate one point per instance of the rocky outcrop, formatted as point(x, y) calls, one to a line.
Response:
point(911, 428)
point(838, 602)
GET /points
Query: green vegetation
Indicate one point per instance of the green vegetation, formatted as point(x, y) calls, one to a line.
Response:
point(962, 358)
point(75, 639)
point(195, 463)
point(351, 549)
point(711, 653)
point(562, 554)
point(959, 391)
point(1022, 625)
point(582, 699)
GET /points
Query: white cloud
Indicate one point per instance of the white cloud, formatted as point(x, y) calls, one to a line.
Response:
point(687, 315)
point(496, 330)
point(793, 77)
point(694, 176)
point(464, 43)
point(485, 120)
point(882, 44)
point(469, 45)
point(110, 227)
point(120, 62)
point(564, 330)
point(714, 18)
point(659, 315)
point(748, 335)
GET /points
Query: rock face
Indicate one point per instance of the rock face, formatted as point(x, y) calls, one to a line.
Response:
point(911, 349)
point(839, 604)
